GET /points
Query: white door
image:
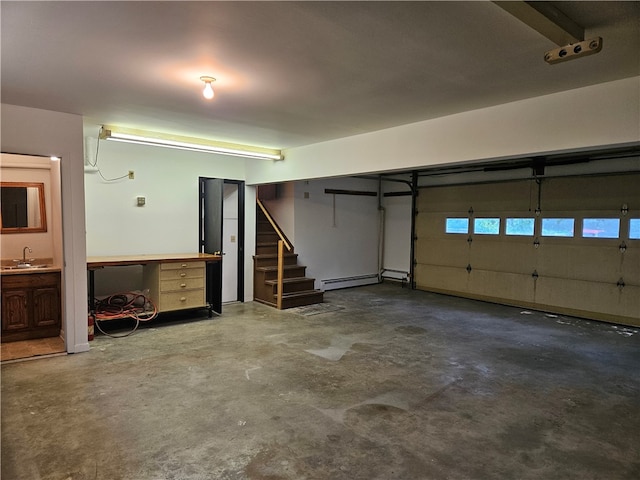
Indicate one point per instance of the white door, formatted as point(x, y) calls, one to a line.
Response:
point(230, 243)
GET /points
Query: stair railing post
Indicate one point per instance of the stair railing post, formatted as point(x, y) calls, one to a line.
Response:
point(280, 273)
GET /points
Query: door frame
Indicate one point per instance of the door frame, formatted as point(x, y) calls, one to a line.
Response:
point(241, 231)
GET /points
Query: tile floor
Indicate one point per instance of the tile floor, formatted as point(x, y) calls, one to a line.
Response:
point(25, 349)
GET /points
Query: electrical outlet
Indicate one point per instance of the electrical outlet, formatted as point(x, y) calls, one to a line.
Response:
point(131, 174)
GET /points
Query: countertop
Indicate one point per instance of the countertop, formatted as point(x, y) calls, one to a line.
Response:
point(143, 259)
point(29, 270)
point(39, 265)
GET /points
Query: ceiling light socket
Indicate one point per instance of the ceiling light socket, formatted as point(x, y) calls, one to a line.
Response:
point(208, 89)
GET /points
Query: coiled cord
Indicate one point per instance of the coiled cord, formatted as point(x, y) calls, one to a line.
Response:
point(125, 305)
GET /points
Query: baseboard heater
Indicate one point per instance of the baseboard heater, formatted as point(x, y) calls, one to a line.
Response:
point(345, 282)
point(391, 274)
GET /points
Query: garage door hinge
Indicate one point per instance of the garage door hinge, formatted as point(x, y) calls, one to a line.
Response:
point(620, 283)
point(535, 274)
point(470, 211)
point(470, 239)
point(623, 247)
point(469, 268)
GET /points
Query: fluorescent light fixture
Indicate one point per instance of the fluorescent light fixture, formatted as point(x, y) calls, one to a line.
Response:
point(187, 143)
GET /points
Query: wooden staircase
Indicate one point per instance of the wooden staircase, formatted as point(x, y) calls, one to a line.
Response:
point(297, 289)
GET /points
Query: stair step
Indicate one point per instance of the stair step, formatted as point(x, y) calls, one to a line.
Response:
point(290, 285)
point(269, 259)
point(271, 272)
point(274, 268)
point(267, 237)
point(266, 248)
point(299, 299)
point(290, 280)
point(272, 256)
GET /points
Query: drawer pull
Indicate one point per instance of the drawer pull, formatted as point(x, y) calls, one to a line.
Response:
point(183, 299)
point(183, 274)
point(184, 265)
point(182, 285)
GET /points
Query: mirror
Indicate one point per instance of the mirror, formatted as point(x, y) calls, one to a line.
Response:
point(22, 207)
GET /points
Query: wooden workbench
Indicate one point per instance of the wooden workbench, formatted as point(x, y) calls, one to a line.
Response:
point(176, 281)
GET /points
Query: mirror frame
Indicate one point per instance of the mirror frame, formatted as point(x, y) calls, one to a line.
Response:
point(43, 212)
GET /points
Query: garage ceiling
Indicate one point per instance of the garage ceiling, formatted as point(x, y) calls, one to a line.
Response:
point(293, 73)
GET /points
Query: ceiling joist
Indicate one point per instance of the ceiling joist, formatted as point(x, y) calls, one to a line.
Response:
point(546, 20)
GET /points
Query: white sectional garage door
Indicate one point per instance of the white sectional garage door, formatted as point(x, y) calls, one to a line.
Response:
point(567, 245)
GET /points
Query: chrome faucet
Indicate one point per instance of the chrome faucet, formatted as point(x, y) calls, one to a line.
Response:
point(24, 254)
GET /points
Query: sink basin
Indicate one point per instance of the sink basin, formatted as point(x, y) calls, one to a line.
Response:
point(24, 266)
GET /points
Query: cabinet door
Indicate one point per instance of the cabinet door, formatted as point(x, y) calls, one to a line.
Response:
point(46, 307)
point(15, 314)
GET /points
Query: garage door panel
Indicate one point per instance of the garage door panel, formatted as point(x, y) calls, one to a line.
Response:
point(516, 195)
point(503, 257)
point(589, 296)
point(441, 277)
point(590, 193)
point(580, 262)
point(501, 285)
point(630, 265)
point(442, 252)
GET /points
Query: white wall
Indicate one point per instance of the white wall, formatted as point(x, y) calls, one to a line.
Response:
point(397, 232)
point(337, 248)
point(168, 222)
point(40, 132)
point(350, 248)
point(590, 117)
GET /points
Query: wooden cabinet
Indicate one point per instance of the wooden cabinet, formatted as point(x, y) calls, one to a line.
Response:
point(31, 306)
point(176, 285)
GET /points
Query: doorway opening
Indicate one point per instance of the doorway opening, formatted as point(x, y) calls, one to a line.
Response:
point(222, 232)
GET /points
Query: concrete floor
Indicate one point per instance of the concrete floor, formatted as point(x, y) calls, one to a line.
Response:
point(392, 384)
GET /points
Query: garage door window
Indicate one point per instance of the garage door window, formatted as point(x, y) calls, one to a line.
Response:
point(601, 227)
point(456, 225)
point(486, 226)
point(520, 226)
point(557, 227)
point(634, 228)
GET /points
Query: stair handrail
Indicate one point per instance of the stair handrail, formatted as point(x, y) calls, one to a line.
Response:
point(273, 223)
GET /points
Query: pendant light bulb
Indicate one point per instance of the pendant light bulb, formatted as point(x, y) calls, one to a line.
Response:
point(208, 89)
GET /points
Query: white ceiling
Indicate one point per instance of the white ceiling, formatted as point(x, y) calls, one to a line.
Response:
point(292, 73)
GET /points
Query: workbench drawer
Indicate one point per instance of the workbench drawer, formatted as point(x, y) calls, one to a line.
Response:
point(187, 283)
point(181, 300)
point(181, 265)
point(181, 273)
